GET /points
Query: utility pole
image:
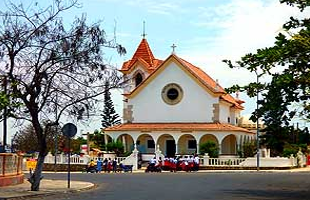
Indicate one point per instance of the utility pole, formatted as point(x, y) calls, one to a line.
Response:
point(257, 123)
point(5, 110)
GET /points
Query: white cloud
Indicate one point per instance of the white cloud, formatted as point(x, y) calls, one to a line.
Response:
point(158, 7)
point(238, 27)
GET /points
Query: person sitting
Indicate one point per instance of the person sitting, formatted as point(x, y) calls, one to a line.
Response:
point(91, 166)
point(153, 162)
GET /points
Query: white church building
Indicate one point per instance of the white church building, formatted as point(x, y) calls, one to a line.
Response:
point(176, 106)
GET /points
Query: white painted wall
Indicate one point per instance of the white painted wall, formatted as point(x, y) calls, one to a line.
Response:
point(196, 105)
point(131, 82)
point(224, 113)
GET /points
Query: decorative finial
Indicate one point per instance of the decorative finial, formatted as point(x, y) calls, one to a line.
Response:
point(217, 84)
point(143, 34)
point(173, 48)
point(237, 95)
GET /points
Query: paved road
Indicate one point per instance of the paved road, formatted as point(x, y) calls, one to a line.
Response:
point(191, 186)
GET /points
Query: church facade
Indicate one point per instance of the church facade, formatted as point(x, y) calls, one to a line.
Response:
point(175, 106)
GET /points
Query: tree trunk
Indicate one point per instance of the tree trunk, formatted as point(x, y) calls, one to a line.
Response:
point(36, 176)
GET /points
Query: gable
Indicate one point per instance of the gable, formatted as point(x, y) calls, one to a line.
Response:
point(191, 104)
point(191, 73)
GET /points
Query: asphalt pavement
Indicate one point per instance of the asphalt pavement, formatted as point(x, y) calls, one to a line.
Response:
point(51, 187)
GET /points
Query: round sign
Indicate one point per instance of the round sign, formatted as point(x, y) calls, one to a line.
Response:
point(69, 130)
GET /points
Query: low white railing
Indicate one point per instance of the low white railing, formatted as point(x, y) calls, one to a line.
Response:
point(62, 159)
point(224, 161)
point(76, 159)
point(120, 159)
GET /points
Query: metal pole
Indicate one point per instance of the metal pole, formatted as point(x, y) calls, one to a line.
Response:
point(257, 123)
point(56, 137)
point(88, 147)
point(69, 152)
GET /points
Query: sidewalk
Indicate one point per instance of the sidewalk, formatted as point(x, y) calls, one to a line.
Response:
point(47, 187)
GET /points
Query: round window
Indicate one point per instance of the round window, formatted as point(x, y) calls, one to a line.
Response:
point(172, 94)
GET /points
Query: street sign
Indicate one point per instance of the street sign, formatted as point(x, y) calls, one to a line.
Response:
point(69, 130)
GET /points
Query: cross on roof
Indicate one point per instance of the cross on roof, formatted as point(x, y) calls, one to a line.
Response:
point(143, 34)
point(173, 48)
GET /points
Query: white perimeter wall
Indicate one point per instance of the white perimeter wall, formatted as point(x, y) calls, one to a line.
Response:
point(196, 105)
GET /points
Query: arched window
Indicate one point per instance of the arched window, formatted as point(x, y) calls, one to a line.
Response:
point(138, 79)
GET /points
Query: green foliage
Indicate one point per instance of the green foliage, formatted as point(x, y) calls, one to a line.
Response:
point(290, 149)
point(301, 4)
point(109, 116)
point(98, 140)
point(209, 147)
point(249, 149)
point(116, 146)
point(76, 144)
point(291, 86)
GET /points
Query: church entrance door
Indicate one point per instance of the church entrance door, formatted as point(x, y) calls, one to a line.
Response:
point(170, 148)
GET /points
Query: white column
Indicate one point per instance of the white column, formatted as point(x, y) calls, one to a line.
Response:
point(220, 148)
point(206, 158)
point(124, 143)
point(197, 148)
point(135, 153)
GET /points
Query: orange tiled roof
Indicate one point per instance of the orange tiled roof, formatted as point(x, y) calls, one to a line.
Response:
point(176, 127)
point(144, 54)
point(205, 78)
point(210, 83)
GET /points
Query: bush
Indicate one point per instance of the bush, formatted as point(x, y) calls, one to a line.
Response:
point(211, 148)
point(290, 149)
point(116, 146)
point(249, 149)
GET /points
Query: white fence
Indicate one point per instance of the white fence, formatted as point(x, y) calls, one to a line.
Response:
point(224, 161)
point(204, 160)
point(298, 161)
point(62, 159)
point(76, 159)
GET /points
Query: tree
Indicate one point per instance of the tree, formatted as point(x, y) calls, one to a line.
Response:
point(289, 87)
point(109, 116)
point(209, 147)
point(25, 140)
point(49, 66)
point(98, 139)
point(76, 144)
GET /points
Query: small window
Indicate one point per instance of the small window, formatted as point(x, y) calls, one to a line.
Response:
point(192, 144)
point(228, 119)
point(172, 94)
point(150, 144)
point(236, 120)
point(138, 79)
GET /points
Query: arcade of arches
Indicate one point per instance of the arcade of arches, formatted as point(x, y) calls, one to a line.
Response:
point(176, 143)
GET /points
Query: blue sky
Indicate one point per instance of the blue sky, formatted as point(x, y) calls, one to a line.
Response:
point(204, 31)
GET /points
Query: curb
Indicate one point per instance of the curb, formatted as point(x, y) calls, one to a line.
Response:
point(45, 192)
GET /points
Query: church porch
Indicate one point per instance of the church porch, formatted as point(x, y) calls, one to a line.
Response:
point(177, 140)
